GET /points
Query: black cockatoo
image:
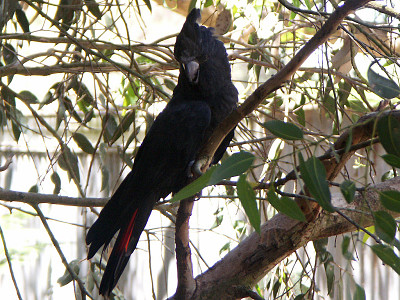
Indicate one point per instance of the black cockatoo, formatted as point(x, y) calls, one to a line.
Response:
point(203, 97)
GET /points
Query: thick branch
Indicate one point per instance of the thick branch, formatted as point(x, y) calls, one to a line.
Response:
point(276, 81)
point(186, 283)
point(281, 236)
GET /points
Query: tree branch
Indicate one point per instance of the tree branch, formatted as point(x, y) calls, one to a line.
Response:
point(276, 81)
point(281, 236)
point(186, 282)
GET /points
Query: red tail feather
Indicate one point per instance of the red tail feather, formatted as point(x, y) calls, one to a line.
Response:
point(123, 246)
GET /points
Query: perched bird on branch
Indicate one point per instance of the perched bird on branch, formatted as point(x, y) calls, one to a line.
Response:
point(203, 97)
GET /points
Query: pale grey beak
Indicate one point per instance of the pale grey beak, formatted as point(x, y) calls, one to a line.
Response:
point(192, 71)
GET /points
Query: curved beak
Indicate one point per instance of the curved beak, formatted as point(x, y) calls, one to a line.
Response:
point(192, 71)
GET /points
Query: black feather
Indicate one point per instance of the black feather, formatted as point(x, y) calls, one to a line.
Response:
point(161, 165)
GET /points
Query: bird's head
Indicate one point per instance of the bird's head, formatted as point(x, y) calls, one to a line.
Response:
point(189, 47)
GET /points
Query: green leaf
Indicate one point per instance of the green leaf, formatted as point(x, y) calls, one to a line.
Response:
point(105, 178)
point(313, 174)
point(345, 248)
point(28, 97)
point(93, 8)
point(248, 199)
point(345, 244)
point(148, 4)
point(330, 278)
point(301, 116)
point(22, 20)
point(9, 54)
point(385, 226)
point(235, 165)
point(34, 189)
point(286, 131)
point(194, 187)
point(192, 5)
point(359, 293)
point(83, 143)
point(169, 84)
point(208, 3)
point(55, 178)
point(348, 189)
point(110, 127)
point(124, 125)
point(382, 86)
point(389, 134)
point(225, 247)
point(286, 206)
point(68, 161)
point(16, 129)
point(392, 160)
point(387, 255)
point(390, 200)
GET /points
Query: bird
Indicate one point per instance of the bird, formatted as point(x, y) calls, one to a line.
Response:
point(202, 98)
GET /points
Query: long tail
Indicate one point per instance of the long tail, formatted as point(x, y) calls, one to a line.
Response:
point(130, 218)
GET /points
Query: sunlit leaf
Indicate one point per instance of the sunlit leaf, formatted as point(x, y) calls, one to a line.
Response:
point(236, 164)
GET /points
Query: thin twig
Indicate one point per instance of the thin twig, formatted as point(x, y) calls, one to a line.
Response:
point(10, 265)
point(6, 164)
point(61, 254)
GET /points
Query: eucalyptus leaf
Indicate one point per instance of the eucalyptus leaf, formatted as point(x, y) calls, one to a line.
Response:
point(385, 226)
point(83, 142)
point(348, 189)
point(359, 293)
point(392, 160)
point(235, 165)
point(55, 178)
point(382, 86)
point(286, 206)
point(313, 174)
point(194, 187)
point(387, 255)
point(388, 129)
point(248, 199)
point(390, 200)
point(283, 130)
